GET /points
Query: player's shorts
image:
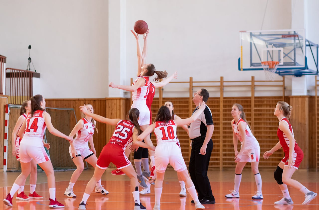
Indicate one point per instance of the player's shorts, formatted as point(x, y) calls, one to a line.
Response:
point(83, 152)
point(250, 154)
point(36, 153)
point(145, 114)
point(297, 157)
point(17, 146)
point(112, 153)
point(169, 153)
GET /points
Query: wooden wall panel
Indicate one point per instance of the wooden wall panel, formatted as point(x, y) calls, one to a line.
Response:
point(300, 122)
point(312, 132)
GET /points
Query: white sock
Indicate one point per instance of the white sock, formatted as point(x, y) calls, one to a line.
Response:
point(52, 193)
point(285, 193)
point(158, 194)
point(14, 189)
point(85, 197)
point(304, 190)
point(21, 189)
point(237, 182)
point(71, 185)
point(98, 184)
point(152, 161)
point(192, 192)
point(182, 183)
point(32, 188)
point(258, 182)
point(136, 197)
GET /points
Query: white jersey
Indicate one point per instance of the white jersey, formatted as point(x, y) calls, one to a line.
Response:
point(34, 130)
point(84, 134)
point(165, 132)
point(250, 138)
point(141, 93)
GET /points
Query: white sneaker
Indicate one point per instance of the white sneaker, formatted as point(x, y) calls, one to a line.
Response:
point(182, 193)
point(100, 189)
point(199, 206)
point(309, 197)
point(157, 207)
point(258, 195)
point(284, 201)
point(82, 205)
point(69, 192)
point(146, 191)
point(233, 194)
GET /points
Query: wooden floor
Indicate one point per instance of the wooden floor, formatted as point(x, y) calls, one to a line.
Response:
point(120, 197)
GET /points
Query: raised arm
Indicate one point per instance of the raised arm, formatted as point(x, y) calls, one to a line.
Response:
point(18, 124)
point(144, 48)
point(98, 117)
point(140, 82)
point(52, 130)
point(191, 119)
point(139, 55)
point(183, 126)
point(166, 81)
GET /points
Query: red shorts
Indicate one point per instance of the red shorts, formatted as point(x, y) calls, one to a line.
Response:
point(112, 153)
point(297, 157)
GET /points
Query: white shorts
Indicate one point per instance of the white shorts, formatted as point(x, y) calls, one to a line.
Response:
point(36, 153)
point(145, 114)
point(169, 153)
point(250, 154)
point(84, 152)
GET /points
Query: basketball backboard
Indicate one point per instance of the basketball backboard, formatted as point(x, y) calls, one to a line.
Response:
point(285, 46)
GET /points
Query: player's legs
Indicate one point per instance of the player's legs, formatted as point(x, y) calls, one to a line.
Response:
point(78, 161)
point(158, 188)
point(182, 184)
point(237, 180)
point(92, 160)
point(283, 187)
point(258, 180)
point(33, 180)
point(48, 169)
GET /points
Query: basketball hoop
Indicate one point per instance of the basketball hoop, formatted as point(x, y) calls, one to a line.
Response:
point(270, 68)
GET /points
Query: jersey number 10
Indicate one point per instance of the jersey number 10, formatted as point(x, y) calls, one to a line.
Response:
point(167, 133)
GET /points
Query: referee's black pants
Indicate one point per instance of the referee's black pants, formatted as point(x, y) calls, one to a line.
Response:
point(198, 166)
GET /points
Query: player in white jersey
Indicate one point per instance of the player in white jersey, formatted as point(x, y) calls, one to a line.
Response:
point(249, 152)
point(79, 150)
point(31, 148)
point(16, 140)
point(169, 152)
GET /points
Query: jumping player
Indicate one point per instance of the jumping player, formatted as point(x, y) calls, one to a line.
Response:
point(31, 147)
point(79, 151)
point(293, 157)
point(169, 152)
point(249, 152)
point(125, 131)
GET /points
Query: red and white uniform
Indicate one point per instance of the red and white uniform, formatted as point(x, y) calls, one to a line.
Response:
point(31, 146)
point(18, 140)
point(139, 97)
point(114, 151)
point(284, 141)
point(250, 149)
point(167, 150)
point(80, 143)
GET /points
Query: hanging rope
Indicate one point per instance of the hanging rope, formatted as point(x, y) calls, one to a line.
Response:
point(262, 24)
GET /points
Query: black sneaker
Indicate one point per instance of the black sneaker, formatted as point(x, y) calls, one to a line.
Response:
point(205, 201)
point(139, 206)
point(82, 205)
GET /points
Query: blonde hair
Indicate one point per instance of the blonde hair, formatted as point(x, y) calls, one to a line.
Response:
point(92, 120)
point(286, 108)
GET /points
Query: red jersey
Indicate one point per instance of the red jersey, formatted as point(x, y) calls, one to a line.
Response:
point(149, 99)
point(284, 141)
point(123, 133)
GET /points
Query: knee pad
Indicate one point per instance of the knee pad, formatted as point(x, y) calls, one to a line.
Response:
point(278, 175)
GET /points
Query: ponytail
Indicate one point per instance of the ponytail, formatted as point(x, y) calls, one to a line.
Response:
point(133, 116)
point(286, 109)
point(151, 71)
point(160, 75)
point(36, 103)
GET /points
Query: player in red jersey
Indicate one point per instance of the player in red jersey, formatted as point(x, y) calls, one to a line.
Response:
point(79, 151)
point(249, 151)
point(142, 96)
point(169, 152)
point(31, 148)
point(293, 156)
point(16, 140)
point(125, 132)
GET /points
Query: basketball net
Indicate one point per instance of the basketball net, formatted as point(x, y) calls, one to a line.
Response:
point(270, 68)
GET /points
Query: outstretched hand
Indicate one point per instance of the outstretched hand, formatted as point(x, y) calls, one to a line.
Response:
point(267, 154)
point(135, 34)
point(84, 109)
point(175, 75)
point(146, 34)
point(112, 85)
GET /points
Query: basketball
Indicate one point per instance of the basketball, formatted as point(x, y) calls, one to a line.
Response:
point(140, 27)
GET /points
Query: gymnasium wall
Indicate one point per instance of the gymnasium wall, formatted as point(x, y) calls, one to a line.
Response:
point(69, 44)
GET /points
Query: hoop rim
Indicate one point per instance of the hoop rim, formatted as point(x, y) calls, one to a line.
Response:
point(271, 64)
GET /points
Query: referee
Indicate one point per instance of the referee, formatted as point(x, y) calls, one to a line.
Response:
point(200, 132)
